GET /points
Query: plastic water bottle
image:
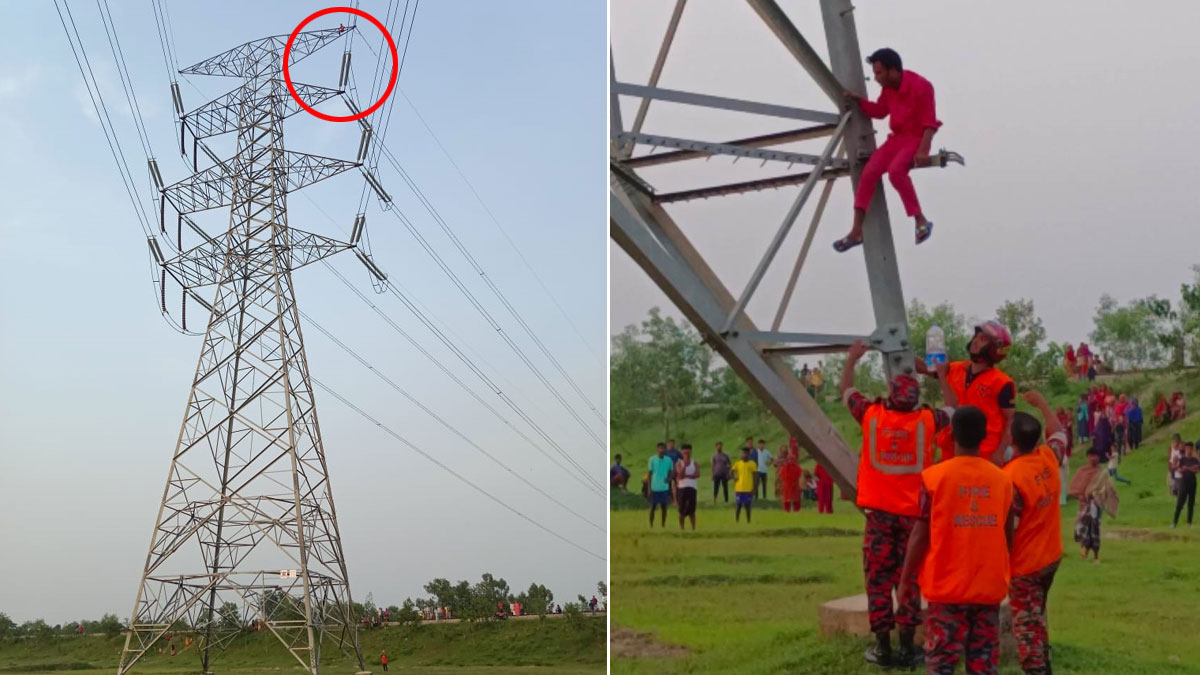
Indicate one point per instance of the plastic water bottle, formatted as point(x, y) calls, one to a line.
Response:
point(935, 346)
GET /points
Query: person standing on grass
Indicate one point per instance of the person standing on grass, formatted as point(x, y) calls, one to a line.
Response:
point(687, 479)
point(721, 464)
point(673, 452)
point(764, 466)
point(1082, 421)
point(383, 660)
point(980, 384)
point(907, 98)
point(824, 490)
point(660, 468)
point(1094, 489)
point(1037, 538)
point(1174, 453)
point(789, 482)
point(897, 446)
point(961, 545)
point(1185, 490)
point(1133, 417)
point(743, 484)
point(1119, 425)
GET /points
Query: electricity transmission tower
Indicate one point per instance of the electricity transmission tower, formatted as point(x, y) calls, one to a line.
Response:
point(642, 227)
point(246, 531)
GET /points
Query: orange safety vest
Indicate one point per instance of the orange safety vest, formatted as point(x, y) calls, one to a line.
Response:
point(967, 562)
point(982, 394)
point(897, 446)
point(1038, 539)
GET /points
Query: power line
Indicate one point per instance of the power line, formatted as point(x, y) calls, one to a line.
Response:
point(439, 419)
point(423, 316)
point(580, 474)
point(494, 324)
point(452, 472)
point(496, 222)
point(437, 216)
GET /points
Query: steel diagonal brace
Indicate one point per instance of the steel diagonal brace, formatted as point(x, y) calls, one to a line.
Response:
point(203, 264)
point(213, 187)
point(786, 225)
point(706, 149)
point(221, 114)
point(235, 62)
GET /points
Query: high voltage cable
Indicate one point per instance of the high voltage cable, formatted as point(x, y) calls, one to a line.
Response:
point(580, 475)
point(487, 279)
point(424, 317)
point(496, 222)
point(346, 348)
point(452, 472)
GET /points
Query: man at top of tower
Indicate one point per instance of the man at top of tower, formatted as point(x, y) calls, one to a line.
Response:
point(981, 384)
point(907, 98)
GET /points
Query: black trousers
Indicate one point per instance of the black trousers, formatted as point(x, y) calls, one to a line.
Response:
point(1186, 493)
point(1135, 435)
point(760, 480)
point(721, 483)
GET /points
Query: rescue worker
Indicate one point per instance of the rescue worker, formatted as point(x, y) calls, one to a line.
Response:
point(1037, 542)
point(979, 383)
point(897, 445)
point(961, 545)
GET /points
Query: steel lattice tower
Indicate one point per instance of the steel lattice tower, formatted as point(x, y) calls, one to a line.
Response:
point(642, 227)
point(247, 515)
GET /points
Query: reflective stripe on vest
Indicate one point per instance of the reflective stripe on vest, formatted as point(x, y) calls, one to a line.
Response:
point(897, 469)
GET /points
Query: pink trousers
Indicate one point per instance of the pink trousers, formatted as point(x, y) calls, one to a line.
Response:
point(895, 158)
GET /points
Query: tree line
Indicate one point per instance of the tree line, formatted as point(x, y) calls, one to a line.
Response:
point(661, 370)
point(467, 601)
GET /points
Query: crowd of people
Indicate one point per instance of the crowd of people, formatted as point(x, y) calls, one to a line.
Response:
point(1082, 364)
point(673, 476)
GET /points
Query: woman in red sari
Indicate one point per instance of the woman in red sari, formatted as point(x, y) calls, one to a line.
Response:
point(1159, 417)
point(1069, 363)
point(789, 482)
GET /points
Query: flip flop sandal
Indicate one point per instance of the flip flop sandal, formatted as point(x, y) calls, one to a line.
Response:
point(924, 232)
point(846, 243)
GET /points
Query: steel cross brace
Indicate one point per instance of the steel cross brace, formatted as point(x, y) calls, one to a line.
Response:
point(645, 231)
point(706, 148)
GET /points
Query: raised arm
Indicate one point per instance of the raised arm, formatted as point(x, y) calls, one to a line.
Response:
point(852, 357)
point(1049, 420)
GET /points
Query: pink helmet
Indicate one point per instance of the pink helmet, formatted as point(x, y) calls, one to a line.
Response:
point(998, 340)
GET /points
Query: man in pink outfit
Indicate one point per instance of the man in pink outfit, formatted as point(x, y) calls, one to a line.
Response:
point(908, 99)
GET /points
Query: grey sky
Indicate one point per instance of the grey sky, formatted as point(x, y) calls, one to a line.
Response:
point(1075, 123)
point(95, 383)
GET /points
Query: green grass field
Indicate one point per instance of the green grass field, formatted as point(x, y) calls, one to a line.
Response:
point(528, 647)
point(738, 598)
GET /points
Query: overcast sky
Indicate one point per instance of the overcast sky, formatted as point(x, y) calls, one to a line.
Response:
point(1075, 124)
point(94, 382)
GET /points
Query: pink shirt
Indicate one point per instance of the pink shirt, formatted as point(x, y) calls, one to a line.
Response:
point(911, 107)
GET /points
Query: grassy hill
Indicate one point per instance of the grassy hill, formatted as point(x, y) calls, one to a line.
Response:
point(501, 648)
point(738, 598)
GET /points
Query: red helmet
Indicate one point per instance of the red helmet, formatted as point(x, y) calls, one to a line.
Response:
point(997, 342)
point(904, 392)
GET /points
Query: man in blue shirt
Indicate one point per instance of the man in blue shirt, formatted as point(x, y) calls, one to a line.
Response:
point(672, 451)
point(660, 468)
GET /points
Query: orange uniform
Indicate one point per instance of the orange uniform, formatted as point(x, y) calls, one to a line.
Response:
point(1037, 541)
point(991, 391)
point(897, 447)
point(967, 500)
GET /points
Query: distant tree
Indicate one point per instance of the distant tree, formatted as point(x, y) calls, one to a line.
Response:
point(36, 629)
point(1026, 359)
point(110, 625)
point(537, 599)
point(1129, 334)
point(661, 364)
point(229, 616)
point(602, 591)
point(408, 614)
point(7, 626)
point(443, 592)
point(369, 608)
